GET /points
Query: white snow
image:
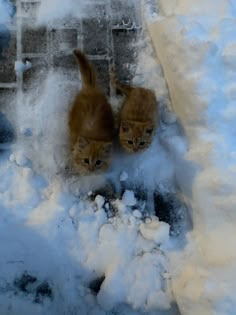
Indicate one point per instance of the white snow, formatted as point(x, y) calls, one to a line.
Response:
point(128, 198)
point(6, 10)
point(137, 214)
point(155, 231)
point(61, 239)
point(123, 176)
point(195, 42)
point(99, 200)
point(22, 66)
point(19, 158)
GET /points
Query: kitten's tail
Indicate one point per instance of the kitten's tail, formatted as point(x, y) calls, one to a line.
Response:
point(87, 70)
point(124, 88)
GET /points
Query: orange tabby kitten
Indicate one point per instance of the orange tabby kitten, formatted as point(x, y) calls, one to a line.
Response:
point(90, 123)
point(138, 117)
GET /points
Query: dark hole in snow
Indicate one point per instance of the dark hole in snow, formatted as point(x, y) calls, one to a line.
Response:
point(141, 194)
point(7, 133)
point(42, 291)
point(168, 208)
point(95, 285)
point(22, 282)
point(30, 285)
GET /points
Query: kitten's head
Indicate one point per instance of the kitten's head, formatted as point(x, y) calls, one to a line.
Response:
point(91, 157)
point(135, 136)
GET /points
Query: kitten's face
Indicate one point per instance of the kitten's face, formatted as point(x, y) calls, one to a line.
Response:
point(91, 157)
point(135, 136)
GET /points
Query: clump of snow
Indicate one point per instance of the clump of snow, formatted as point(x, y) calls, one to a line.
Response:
point(128, 198)
point(123, 176)
point(137, 214)
point(148, 220)
point(99, 200)
point(155, 230)
point(22, 66)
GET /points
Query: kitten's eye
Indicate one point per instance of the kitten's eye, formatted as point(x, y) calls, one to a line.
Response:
point(98, 162)
point(142, 143)
point(149, 131)
point(86, 161)
point(130, 142)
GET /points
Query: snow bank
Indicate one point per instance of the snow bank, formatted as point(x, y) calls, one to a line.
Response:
point(195, 43)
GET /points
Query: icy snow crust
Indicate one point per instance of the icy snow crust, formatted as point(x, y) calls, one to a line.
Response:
point(195, 42)
point(55, 240)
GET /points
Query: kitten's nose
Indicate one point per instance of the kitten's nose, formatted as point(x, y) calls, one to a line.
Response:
point(136, 144)
point(91, 168)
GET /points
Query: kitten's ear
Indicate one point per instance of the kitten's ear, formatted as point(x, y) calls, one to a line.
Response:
point(82, 142)
point(125, 126)
point(107, 147)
